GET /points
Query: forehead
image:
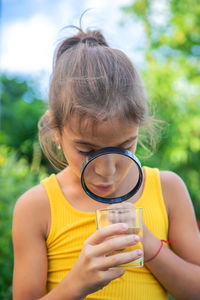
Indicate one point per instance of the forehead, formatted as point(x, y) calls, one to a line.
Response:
point(101, 132)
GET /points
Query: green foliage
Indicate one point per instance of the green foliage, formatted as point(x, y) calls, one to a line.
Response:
point(20, 112)
point(20, 161)
point(15, 178)
point(172, 79)
point(172, 24)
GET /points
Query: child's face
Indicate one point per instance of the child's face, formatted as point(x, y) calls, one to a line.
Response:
point(77, 144)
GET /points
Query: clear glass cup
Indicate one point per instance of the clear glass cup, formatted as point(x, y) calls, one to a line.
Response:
point(132, 216)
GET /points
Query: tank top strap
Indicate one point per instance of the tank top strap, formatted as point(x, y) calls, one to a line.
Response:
point(62, 213)
point(153, 204)
point(57, 204)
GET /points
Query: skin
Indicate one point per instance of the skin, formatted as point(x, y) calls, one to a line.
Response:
point(178, 270)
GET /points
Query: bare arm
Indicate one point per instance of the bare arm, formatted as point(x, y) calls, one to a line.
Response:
point(30, 260)
point(93, 269)
point(30, 230)
point(178, 270)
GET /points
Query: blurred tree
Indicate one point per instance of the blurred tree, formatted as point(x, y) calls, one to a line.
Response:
point(172, 78)
point(20, 112)
point(15, 178)
point(20, 161)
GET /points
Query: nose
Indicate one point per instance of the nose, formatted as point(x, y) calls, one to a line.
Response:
point(105, 166)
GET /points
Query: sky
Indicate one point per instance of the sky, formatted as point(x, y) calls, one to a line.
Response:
point(31, 29)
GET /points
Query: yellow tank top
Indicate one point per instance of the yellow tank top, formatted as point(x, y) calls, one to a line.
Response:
point(71, 227)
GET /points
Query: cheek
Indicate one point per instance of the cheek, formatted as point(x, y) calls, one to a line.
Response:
point(75, 160)
point(134, 148)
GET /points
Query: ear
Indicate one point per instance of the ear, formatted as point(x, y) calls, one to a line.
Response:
point(56, 132)
point(48, 116)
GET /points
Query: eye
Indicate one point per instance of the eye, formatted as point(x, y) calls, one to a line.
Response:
point(129, 148)
point(85, 152)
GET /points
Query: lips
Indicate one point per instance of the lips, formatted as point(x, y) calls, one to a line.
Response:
point(103, 187)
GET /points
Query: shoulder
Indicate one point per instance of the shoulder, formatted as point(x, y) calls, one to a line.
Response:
point(171, 180)
point(29, 233)
point(172, 184)
point(175, 193)
point(33, 208)
point(183, 229)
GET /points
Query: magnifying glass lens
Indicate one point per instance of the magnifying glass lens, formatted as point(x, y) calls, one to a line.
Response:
point(111, 175)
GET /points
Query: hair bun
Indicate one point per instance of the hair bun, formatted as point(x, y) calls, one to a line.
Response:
point(67, 44)
point(90, 38)
point(94, 36)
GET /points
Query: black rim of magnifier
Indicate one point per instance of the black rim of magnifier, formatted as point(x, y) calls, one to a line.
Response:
point(111, 150)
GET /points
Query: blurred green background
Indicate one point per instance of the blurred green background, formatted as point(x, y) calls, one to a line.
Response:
point(171, 73)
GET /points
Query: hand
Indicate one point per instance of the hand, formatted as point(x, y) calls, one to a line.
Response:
point(94, 268)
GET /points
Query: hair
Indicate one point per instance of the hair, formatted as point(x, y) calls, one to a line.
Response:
point(93, 82)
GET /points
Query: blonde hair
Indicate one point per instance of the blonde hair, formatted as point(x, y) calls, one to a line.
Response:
point(93, 81)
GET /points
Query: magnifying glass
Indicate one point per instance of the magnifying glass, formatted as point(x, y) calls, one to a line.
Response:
point(111, 175)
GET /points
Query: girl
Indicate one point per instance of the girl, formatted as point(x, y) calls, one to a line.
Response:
point(97, 100)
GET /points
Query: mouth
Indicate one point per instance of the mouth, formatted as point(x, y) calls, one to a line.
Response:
point(103, 187)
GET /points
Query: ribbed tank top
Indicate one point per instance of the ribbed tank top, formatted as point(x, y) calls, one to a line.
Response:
point(71, 227)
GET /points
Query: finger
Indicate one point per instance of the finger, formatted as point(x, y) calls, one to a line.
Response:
point(120, 259)
point(112, 274)
point(107, 231)
point(115, 243)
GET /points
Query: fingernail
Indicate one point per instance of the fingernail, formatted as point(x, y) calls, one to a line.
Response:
point(139, 252)
point(137, 238)
point(124, 226)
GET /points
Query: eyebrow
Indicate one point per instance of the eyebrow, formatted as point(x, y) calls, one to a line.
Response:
point(81, 142)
